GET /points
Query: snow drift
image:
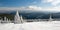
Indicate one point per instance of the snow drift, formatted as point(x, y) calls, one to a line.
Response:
point(54, 25)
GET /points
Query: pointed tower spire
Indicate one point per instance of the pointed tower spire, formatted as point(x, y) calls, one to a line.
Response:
point(50, 18)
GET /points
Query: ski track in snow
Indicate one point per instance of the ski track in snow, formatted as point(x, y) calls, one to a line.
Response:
point(54, 25)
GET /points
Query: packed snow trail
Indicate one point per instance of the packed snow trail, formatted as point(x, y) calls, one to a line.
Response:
point(54, 25)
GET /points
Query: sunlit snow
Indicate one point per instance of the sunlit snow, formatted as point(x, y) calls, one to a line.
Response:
point(54, 25)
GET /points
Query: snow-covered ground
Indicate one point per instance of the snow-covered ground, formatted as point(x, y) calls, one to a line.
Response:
point(54, 25)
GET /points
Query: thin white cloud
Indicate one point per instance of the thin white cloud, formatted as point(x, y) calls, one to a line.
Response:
point(21, 8)
point(52, 9)
point(53, 2)
point(47, 1)
point(34, 8)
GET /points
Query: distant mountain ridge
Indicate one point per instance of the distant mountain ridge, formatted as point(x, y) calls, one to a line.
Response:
point(30, 15)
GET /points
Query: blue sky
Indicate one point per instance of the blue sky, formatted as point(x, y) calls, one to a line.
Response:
point(36, 5)
point(18, 3)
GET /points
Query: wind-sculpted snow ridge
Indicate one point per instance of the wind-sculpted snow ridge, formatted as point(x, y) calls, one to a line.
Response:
point(54, 25)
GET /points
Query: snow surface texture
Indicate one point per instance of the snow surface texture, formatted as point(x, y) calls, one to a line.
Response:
point(54, 25)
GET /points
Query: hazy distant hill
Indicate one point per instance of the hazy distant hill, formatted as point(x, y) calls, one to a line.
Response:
point(30, 15)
